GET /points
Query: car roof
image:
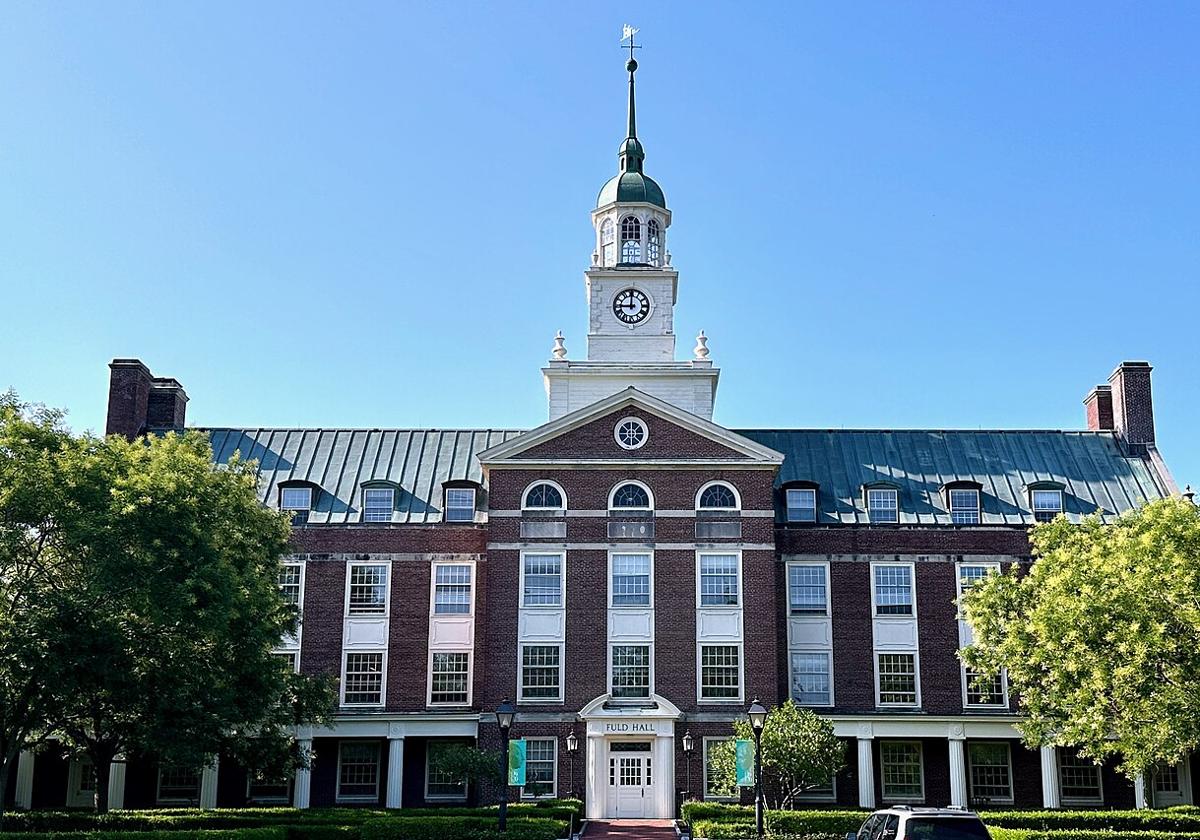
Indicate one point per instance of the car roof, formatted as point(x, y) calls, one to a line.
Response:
point(928, 812)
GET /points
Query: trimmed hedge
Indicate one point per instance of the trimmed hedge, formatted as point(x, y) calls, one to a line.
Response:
point(1000, 833)
point(461, 828)
point(278, 833)
point(810, 823)
point(1185, 819)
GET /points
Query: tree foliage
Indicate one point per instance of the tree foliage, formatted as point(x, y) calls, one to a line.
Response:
point(799, 752)
point(1101, 638)
point(139, 602)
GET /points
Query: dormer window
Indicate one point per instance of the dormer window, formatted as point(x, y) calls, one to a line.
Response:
point(653, 242)
point(801, 504)
point(460, 504)
point(544, 496)
point(378, 504)
point(964, 505)
point(717, 496)
point(297, 500)
point(630, 496)
point(1047, 503)
point(608, 244)
point(631, 240)
point(883, 505)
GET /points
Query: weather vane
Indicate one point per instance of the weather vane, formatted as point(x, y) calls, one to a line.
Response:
point(627, 33)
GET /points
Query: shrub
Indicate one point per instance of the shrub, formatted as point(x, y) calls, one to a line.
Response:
point(461, 828)
point(277, 833)
point(1000, 833)
point(809, 823)
point(1186, 820)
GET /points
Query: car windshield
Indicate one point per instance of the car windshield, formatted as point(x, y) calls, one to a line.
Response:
point(945, 828)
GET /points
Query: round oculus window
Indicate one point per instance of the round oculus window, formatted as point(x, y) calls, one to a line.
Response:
point(631, 433)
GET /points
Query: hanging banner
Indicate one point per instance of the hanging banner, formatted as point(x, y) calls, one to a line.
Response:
point(745, 763)
point(516, 763)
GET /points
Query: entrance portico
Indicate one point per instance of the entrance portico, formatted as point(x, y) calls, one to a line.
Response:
point(630, 758)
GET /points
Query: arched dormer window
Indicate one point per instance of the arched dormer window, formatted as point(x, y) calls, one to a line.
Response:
point(631, 240)
point(608, 243)
point(882, 501)
point(718, 495)
point(800, 500)
point(1046, 499)
point(963, 501)
point(653, 242)
point(631, 495)
point(544, 495)
point(298, 498)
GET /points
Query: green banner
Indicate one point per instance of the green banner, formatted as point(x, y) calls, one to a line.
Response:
point(745, 763)
point(516, 763)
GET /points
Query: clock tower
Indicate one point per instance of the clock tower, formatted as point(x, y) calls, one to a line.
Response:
point(631, 293)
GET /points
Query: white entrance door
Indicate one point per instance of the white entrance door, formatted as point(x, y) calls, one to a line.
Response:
point(81, 784)
point(631, 777)
point(1169, 786)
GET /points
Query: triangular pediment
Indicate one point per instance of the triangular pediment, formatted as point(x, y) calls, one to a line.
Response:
point(672, 436)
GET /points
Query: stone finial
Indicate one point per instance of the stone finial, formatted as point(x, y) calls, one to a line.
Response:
point(1188, 494)
point(701, 349)
point(595, 258)
point(560, 348)
point(668, 257)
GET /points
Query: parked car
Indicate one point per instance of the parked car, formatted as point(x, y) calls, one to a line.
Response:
point(905, 823)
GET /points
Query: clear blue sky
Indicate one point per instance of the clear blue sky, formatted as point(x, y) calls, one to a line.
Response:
point(375, 214)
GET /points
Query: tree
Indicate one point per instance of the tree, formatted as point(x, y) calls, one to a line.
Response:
point(474, 765)
point(799, 753)
point(152, 606)
point(1101, 639)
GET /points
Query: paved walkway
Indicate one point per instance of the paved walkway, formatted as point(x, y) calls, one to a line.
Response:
point(630, 830)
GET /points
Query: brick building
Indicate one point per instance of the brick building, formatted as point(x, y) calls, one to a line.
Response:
point(631, 572)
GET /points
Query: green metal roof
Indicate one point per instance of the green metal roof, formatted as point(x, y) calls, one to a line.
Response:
point(632, 186)
point(1096, 473)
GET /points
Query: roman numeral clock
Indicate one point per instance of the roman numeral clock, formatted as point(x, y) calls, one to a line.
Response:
point(631, 306)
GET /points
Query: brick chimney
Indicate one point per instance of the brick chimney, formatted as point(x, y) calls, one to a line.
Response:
point(1132, 406)
point(139, 402)
point(1099, 406)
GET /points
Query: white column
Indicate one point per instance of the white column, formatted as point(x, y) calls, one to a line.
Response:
point(395, 773)
point(1050, 796)
point(866, 773)
point(116, 784)
point(24, 780)
point(664, 775)
point(596, 783)
point(208, 784)
point(1139, 791)
point(958, 772)
point(303, 785)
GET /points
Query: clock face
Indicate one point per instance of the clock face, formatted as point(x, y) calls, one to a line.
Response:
point(631, 306)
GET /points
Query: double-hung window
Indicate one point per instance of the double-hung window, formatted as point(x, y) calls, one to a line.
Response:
point(1078, 778)
point(893, 589)
point(983, 690)
point(991, 772)
point(178, 784)
point(807, 590)
point(811, 678)
point(460, 504)
point(902, 771)
point(897, 673)
point(358, 771)
point(450, 679)
point(1047, 504)
point(964, 506)
point(378, 503)
point(630, 671)
point(541, 672)
point(801, 504)
point(719, 580)
point(368, 589)
point(290, 577)
point(451, 589)
point(440, 784)
point(297, 501)
point(720, 672)
point(362, 679)
point(543, 580)
point(720, 776)
point(883, 505)
point(630, 580)
point(541, 767)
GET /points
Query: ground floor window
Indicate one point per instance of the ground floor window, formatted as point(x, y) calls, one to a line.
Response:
point(902, 771)
point(541, 766)
point(1078, 778)
point(540, 672)
point(358, 771)
point(631, 671)
point(991, 772)
point(440, 784)
point(811, 685)
point(720, 672)
point(263, 788)
point(897, 679)
point(450, 680)
point(178, 784)
point(720, 774)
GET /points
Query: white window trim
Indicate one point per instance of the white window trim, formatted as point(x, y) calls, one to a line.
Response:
point(809, 652)
point(737, 497)
point(362, 517)
point(440, 797)
point(306, 487)
point(916, 678)
point(159, 799)
point(996, 566)
point(816, 509)
point(883, 788)
point(562, 582)
point(613, 492)
point(828, 588)
point(532, 484)
point(631, 550)
point(470, 681)
point(716, 552)
point(270, 799)
point(647, 643)
point(446, 505)
point(1061, 500)
point(950, 491)
point(810, 796)
point(382, 681)
point(868, 490)
point(912, 580)
point(300, 610)
point(631, 418)
point(387, 590)
point(337, 785)
point(704, 742)
point(958, 578)
point(1003, 800)
point(433, 585)
point(562, 669)
point(1077, 800)
point(1003, 692)
point(741, 695)
point(553, 794)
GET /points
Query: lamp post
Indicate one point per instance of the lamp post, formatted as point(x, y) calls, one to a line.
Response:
point(572, 746)
point(758, 719)
point(505, 713)
point(688, 745)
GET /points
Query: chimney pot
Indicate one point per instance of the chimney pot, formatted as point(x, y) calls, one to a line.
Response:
point(138, 401)
point(1099, 406)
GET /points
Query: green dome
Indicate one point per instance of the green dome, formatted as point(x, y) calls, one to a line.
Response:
point(632, 186)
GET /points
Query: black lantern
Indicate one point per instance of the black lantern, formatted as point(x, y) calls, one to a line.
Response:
point(758, 719)
point(505, 713)
point(688, 745)
point(572, 747)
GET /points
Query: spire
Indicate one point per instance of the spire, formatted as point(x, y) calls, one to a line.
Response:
point(631, 152)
